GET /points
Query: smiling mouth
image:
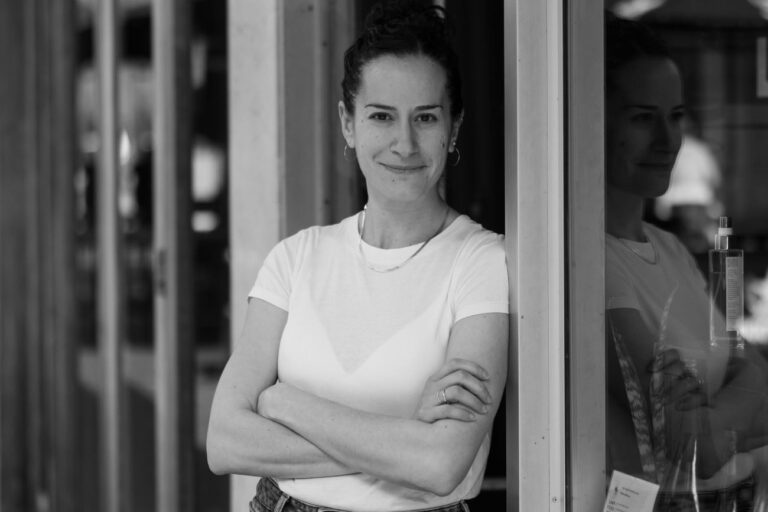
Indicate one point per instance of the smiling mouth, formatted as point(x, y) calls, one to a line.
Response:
point(403, 168)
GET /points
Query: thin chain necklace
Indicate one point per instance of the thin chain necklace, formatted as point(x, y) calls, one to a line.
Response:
point(406, 260)
point(652, 259)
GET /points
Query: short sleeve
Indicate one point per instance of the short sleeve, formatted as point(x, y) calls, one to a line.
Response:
point(619, 293)
point(274, 280)
point(698, 276)
point(482, 284)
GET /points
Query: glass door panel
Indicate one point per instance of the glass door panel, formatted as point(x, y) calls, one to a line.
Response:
point(685, 120)
point(142, 268)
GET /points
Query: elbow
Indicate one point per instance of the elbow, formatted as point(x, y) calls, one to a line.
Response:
point(444, 474)
point(216, 465)
point(216, 453)
point(215, 462)
point(444, 483)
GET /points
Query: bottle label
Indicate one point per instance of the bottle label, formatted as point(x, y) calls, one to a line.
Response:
point(734, 292)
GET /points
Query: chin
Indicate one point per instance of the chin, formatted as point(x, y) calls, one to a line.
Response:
point(654, 186)
point(656, 192)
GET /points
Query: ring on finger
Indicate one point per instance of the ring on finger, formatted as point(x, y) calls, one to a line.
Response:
point(442, 399)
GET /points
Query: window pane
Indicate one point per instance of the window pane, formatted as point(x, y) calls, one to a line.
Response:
point(686, 327)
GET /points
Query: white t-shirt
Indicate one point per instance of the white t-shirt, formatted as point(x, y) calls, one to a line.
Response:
point(370, 340)
point(670, 295)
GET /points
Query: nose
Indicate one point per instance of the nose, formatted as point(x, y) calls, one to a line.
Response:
point(666, 134)
point(404, 143)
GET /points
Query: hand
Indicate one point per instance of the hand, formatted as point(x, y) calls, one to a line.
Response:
point(676, 382)
point(267, 400)
point(456, 391)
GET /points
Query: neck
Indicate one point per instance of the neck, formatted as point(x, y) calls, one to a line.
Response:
point(624, 215)
point(391, 227)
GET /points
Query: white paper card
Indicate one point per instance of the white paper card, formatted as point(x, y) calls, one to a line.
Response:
point(630, 494)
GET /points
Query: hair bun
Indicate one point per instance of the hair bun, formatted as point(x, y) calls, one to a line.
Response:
point(403, 28)
point(389, 14)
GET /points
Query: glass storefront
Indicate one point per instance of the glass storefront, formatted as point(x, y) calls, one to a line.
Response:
point(686, 251)
point(677, 346)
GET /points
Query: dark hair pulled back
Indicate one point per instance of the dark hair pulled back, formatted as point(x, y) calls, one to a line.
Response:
point(402, 28)
point(626, 41)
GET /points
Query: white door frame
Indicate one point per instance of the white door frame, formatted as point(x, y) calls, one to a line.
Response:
point(555, 251)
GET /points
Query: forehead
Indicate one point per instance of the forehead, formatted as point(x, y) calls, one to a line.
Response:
point(648, 81)
point(407, 80)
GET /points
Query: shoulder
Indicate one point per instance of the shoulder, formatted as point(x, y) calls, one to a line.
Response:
point(620, 271)
point(314, 236)
point(477, 247)
point(473, 238)
point(479, 275)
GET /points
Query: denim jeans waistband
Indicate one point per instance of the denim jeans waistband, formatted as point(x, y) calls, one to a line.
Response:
point(269, 498)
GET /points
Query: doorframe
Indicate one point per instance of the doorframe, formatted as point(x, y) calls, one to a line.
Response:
point(555, 252)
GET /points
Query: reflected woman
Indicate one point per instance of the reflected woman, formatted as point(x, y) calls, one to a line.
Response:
point(660, 366)
point(373, 356)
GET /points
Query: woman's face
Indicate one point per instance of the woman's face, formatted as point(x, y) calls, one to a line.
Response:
point(401, 129)
point(644, 115)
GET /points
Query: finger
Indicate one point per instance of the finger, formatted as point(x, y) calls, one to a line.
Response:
point(686, 387)
point(461, 380)
point(457, 364)
point(459, 395)
point(445, 411)
point(454, 412)
point(464, 379)
point(690, 402)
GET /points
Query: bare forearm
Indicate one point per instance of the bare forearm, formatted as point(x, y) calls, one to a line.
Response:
point(735, 405)
point(403, 451)
point(246, 443)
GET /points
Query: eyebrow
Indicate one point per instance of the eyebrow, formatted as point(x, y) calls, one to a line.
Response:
point(387, 107)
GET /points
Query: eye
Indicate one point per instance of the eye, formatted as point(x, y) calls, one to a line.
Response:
point(677, 116)
point(426, 117)
point(380, 116)
point(642, 117)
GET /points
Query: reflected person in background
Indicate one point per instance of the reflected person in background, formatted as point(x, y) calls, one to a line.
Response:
point(373, 356)
point(660, 368)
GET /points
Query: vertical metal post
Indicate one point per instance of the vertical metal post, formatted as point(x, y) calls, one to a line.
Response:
point(535, 227)
point(109, 292)
point(586, 259)
point(174, 383)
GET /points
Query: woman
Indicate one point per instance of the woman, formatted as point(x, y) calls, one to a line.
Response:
point(661, 370)
point(373, 356)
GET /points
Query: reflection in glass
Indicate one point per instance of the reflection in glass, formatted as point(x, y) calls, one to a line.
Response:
point(684, 409)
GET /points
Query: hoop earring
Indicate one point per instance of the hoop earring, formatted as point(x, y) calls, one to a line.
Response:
point(458, 156)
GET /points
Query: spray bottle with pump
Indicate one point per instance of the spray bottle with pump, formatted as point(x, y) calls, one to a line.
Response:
point(726, 292)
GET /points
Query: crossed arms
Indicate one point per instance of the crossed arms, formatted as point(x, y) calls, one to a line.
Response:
point(258, 427)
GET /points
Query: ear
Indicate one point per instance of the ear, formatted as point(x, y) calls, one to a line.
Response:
point(455, 126)
point(347, 120)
